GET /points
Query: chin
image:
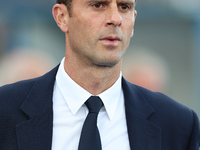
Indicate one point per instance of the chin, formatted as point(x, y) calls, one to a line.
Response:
point(108, 63)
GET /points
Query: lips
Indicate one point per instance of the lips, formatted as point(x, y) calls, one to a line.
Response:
point(111, 41)
point(111, 38)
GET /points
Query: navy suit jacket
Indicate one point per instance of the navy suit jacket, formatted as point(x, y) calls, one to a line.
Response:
point(154, 121)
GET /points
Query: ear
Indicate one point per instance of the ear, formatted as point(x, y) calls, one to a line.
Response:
point(135, 14)
point(61, 16)
point(132, 32)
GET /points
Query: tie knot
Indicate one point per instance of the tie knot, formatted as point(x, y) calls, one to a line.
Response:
point(94, 104)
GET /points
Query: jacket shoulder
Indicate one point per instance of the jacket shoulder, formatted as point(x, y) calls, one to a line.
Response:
point(163, 106)
point(162, 103)
point(173, 116)
point(14, 94)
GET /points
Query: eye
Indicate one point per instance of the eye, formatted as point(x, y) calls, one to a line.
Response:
point(124, 7)
point(97, 5)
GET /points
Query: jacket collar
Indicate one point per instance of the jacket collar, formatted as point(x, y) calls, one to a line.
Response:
point(36, 133)
point(143, 134)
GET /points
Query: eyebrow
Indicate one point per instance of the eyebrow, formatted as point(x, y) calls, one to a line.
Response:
point(93, 1)
point(132, 3)
point(128, 2)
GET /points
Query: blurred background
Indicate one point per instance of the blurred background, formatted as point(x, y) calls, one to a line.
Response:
point(164, 54)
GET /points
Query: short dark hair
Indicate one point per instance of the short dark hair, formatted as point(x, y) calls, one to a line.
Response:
point(68, 3)
point(63, 1)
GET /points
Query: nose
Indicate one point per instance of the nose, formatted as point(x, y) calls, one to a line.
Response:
point(114, 17)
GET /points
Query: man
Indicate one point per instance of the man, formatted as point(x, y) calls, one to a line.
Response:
point(49, 112)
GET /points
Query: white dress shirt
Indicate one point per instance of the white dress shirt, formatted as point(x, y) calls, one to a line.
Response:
point(69, 113)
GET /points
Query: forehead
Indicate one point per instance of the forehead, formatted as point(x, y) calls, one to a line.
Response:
point(81, 3)
point(133, 1)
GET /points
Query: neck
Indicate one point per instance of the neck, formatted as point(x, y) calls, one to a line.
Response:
point(94, 79)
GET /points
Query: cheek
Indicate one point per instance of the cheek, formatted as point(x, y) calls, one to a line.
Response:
point(87, 29)
point(130, 29)
point(130, 21)
point(78, 34)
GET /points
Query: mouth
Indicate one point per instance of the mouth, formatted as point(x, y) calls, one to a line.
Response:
point(111, 38)
point(111, 41)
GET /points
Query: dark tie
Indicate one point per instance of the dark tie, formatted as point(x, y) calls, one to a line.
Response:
point(90, 138)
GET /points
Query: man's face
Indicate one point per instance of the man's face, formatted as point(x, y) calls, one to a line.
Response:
point(99, 31)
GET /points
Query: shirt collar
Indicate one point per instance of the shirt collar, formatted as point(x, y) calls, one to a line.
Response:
point(111, 97)
point(75, 96)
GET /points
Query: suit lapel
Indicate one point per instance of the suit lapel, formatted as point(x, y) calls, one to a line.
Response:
point(143, 135)
point(36, 133)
